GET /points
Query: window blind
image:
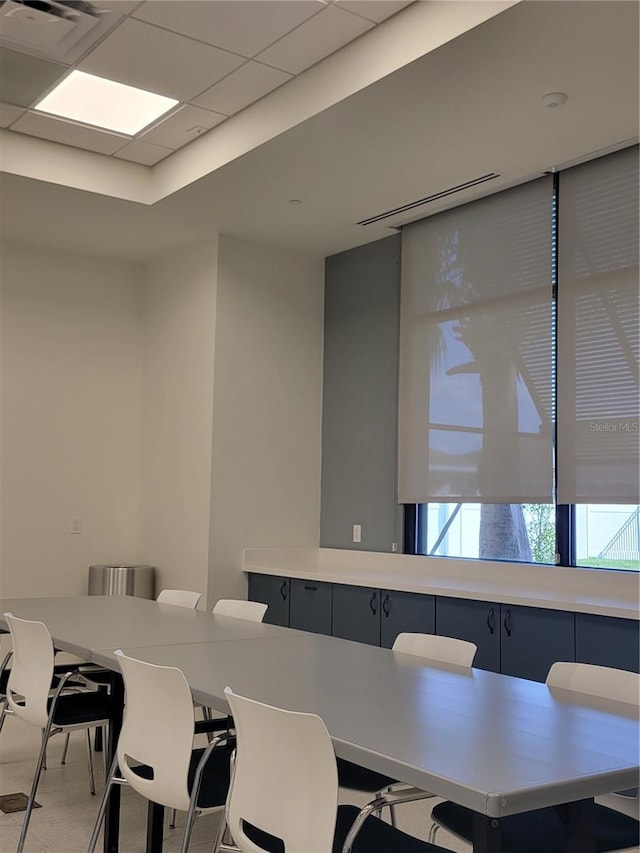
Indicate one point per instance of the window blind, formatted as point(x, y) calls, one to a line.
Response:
point(476, 348)
point(599, 332)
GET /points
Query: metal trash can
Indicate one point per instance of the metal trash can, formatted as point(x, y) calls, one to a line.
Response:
point(122, 580)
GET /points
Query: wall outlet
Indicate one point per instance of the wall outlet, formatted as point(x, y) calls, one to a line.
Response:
point(357, 533)
point(74, 527)
point(394, 547)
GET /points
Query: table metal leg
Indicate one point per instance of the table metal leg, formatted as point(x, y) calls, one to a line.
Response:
point(580, 829)
point(486, 834)
point(155, 825)
point(112, 813)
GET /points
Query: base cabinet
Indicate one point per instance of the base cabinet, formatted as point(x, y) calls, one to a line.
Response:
point(512, 639)
point(402, 612)
point(356, 613)
point(533, 638)
point(274, 592)
point(608, 641)
point(310, 607)
point(475, 621)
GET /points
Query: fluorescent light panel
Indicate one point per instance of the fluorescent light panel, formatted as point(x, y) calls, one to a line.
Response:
point(104, 103)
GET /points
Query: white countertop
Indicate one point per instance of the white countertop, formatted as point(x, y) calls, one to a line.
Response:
point(597, 591)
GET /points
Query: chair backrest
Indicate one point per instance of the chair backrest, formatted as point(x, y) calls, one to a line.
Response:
point(285, 780)
point(618, 685)
point(240, 609)
point(31, 670)
point(179, 597)
point(433, 647)
point(157, 730)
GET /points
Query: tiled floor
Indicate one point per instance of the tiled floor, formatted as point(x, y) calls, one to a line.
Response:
point(65, 821)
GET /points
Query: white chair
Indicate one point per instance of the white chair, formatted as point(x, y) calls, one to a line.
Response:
point(155, 753)
point(29, 698)
point(444, 650)
point(615, 816)
point(253, 611)
point(447, 650)
point(179, 597)
point(616, 684)
point(285, 786)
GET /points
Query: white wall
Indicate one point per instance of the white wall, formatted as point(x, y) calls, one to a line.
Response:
point(267, 406)
point(69, 417)
point(107, 390)
point(179, 295)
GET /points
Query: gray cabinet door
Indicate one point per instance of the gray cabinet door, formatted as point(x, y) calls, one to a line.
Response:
point(405, 611)
point(608, 641)
point(476, 621)
point(310, 608)
point(356, 613)
point(533, 638)
point(274, 592)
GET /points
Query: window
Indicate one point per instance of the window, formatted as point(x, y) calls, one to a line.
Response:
point(520, 337)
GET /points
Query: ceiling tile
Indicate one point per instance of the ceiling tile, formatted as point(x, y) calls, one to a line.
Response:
point(242, 87)
point(69, 133)
point(153, 59)
point(24, 78)
point(245, 27)
point(33, 29)
point(9, 114)
point(143, 153)
point(173, 132)
point(374, 10)
point(315, 39)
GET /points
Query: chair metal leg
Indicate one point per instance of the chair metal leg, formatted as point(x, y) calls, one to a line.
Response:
point(433, 831)
point(34, 787)
point(5, 711)
point(63, 760)
point(172, 819)
point(392, 808)
point(220, 833)
point(195, 790)
point(44, 761)
point(366, 812)
point(92, 778)
point(103, 805)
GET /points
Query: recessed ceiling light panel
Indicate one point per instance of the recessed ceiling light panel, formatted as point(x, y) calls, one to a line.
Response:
point(104, 103)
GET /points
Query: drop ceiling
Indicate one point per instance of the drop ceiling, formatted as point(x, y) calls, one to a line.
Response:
point(344, 139)
point(214, 57)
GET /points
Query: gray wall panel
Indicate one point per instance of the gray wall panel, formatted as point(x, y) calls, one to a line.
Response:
point(360, 397)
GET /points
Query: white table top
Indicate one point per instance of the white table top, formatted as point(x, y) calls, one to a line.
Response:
point(84, 623)
point(496, 744)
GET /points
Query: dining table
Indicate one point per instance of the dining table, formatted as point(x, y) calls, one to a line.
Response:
point(496, 744)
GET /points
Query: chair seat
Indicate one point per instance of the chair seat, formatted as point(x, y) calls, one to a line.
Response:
point(215, 778)
point(359, 778)
point(4, 681)
point(375, 836)
point(81, 708)
point(543, 829)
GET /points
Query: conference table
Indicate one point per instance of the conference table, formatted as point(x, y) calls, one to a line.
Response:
point(496, 744)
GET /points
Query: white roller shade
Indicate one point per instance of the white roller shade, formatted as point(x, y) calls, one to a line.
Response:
point(599, 332)
point(476, 352)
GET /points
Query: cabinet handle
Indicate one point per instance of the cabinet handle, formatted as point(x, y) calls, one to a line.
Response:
point(372, 603)
point(283, 591)
point(491, 621)
point(507, 623)
point(385, 605)
point(310, 587)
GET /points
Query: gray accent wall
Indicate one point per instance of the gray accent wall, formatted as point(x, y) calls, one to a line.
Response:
point(360, 397)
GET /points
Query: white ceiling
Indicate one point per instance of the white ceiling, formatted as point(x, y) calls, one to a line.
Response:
point(470, 107)
point(215, 58)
